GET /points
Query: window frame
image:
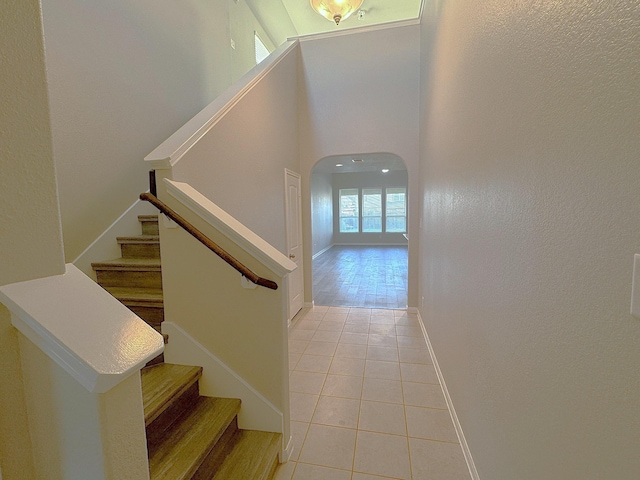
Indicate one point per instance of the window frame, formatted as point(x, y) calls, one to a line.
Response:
point(356, 206)
point(404, 208)
point(258, 46)
point(359, 206)
point(371, 192)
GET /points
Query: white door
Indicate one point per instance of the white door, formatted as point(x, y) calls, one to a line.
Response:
point(294, 240)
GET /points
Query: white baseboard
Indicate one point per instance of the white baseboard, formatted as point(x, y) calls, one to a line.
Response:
point(286, 453)
point(218, 380)
point(454, 417)
point(321, 252)
point(371, 244)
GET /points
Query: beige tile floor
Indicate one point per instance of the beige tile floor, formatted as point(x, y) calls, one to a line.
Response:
point(366, 403)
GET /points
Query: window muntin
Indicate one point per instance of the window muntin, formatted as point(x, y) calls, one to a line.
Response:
point(396, 210)
point(349, 210)
point(371, 210)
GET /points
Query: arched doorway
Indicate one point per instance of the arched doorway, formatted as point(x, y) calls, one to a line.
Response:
point(359, 210)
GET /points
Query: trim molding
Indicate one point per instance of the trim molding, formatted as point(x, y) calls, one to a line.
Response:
point(169, 152)
point(356, 30)
point(286, 453)
point(257, 413)
point(371, 244)
point(321, 252)
point(252, 243)
point(53, 312)
point(104, 245)
point(452, 411)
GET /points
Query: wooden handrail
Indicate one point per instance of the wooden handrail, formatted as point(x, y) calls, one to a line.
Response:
point(207, 242)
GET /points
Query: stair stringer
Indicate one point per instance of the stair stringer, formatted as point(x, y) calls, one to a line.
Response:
point(218, 380)
point(104, 246)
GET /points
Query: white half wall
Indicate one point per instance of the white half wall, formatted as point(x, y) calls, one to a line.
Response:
point(239, 163)
point(531, 180)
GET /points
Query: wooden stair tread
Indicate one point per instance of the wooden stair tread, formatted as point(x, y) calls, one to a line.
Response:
point(139, 239)
point(164, 383)
point(139, 295)
point(142, 263)
point(181, 453)
point(253, 456)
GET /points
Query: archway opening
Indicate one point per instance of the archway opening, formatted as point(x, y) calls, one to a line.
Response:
point(359, 215)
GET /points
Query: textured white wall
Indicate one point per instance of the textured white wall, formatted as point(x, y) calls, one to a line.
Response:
point(30, 233)
point(123, 77)
point(239, 164)
point(321, 211)
point(77, 434)
point(531, 174)
point(359, 94)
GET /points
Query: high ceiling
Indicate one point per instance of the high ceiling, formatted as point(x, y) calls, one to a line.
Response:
point(307, 21)
point(283, 19)
point(370, 162)
point(297, 18)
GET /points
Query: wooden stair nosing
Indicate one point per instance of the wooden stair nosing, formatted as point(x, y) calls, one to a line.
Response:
point(137, 296)
point(129, 263)
point(192, 439)
point(253, 456)
point(163, 384)
point(140, 239)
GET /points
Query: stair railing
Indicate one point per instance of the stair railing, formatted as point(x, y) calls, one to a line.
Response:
point(202, 238)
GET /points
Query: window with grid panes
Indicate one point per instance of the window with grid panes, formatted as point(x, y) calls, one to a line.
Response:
point(396, 210)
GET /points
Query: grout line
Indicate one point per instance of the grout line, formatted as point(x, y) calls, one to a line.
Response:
point(362, 378)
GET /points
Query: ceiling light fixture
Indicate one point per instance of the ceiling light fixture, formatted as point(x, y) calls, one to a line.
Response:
point(336, 10)
point(385, 170)
point(339, 165)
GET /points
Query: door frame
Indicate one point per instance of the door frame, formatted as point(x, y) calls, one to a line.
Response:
point(291, 174)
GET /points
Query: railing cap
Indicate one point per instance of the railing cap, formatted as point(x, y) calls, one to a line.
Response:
point(81, 327)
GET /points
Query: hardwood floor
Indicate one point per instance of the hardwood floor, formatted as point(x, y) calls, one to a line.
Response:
point(361, 276)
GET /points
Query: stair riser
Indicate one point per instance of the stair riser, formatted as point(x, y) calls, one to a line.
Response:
point(155, 361)
point(222, 448)
point(140, 250)
point(157, 429)
point(129, 278)
point(149, 227)
point(154, 316)
point(274, 467)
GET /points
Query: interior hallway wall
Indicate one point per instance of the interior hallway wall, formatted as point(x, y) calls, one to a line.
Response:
point(360, 94)
point(123, 76)
point(239, 164)
point(531, 176)
point(321, 212)
point(30, 232)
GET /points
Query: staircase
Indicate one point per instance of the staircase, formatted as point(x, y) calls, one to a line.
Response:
point(136, 278)
point(195, 437)
point(188, 436)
